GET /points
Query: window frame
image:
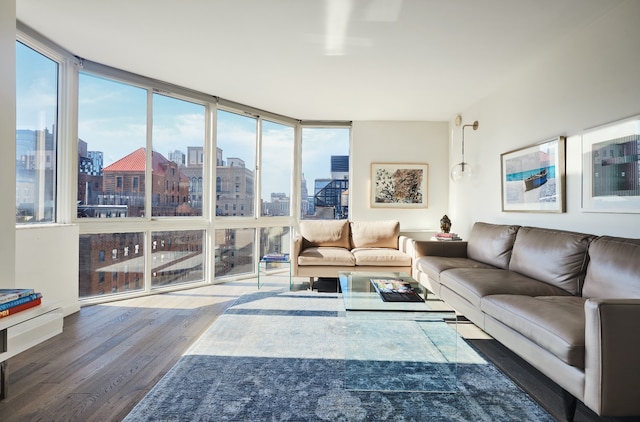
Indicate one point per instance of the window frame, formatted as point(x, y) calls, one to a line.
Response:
point(34, 43)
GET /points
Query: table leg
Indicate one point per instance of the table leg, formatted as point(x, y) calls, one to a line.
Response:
point(3, 379)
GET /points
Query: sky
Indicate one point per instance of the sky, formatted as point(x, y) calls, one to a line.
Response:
point(112, 119)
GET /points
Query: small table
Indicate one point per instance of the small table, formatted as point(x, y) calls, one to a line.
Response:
point(397, 346)
point(266, 262)
point(359, 294)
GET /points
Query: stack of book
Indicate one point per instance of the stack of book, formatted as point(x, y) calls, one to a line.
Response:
point(395, 290)
point(446, 236)
point(276, 257)
point(13, 301)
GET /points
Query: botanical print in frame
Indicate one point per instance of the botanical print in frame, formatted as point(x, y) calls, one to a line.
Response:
point(533, 178)
point(611, 167)
point(399, 185)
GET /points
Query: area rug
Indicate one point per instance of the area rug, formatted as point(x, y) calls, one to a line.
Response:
point(290, 356)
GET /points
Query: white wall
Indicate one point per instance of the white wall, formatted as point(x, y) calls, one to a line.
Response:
point(47, 261)
point(400, 142)
point(7, 141)
point(590, 79)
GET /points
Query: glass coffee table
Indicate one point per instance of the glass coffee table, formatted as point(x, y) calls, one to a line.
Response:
point(397, 346)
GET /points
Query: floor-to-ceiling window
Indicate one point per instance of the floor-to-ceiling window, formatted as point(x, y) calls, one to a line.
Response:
point(254, 179)
point(112, 137)
point(141, 191)
point(277, 164)
point(37, 77)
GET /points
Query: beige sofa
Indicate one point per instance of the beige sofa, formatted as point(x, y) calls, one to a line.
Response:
point(325, 247)
point(568, 303)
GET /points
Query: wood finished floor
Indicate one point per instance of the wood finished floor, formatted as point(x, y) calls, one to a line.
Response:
point(109, 356)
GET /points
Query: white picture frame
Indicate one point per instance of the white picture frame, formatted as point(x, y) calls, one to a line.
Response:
point(399, 185)
point(611, 167)
point(533, 178)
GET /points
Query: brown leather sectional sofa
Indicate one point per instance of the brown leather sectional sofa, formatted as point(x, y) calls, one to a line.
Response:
point(568, 303)
point(325, 247)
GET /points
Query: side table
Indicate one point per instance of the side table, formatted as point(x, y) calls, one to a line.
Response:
point(271, 261)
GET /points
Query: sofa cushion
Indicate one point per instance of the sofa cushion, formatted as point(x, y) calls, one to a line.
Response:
point(555, 323)
point(434, 265)
point(473, 284)
point(553, 256)
point(325, 233)
point(375, 234)
point(491, 243)
point(381, 257)
point(326, 256)
point(614, 268)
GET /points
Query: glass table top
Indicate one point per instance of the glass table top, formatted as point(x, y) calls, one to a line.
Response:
point(360, 295)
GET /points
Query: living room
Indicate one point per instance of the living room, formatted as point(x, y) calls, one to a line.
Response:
point(582, 79)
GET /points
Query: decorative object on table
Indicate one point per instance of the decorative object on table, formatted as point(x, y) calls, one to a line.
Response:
point(445, 224)
point(463, 170)
point(446, 236)
point(533, 178)
point(399, 185)
point(610, 180)
point(395, 290)
point(276, 257)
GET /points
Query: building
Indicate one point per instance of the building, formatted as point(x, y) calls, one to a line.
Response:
point(278, 205)
point(192, 168)
point(123, 183)
point(34, 200)
point(330, 199)
point(234, 188)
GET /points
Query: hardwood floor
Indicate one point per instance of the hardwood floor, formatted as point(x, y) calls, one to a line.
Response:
point(109, 356)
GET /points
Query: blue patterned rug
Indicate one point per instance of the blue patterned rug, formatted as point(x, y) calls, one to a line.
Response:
point(294, 356)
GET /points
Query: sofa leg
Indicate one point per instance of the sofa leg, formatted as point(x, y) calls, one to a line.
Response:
point(568, 405)
point(311, 283)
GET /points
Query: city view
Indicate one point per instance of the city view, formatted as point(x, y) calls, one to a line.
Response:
point(112, 161)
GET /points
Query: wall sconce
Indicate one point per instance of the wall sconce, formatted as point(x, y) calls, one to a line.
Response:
point(462, 170)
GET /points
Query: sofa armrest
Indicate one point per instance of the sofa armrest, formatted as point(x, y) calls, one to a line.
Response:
point(417, 248)
point(611, 356)
point(296, 248)
point(454, 249)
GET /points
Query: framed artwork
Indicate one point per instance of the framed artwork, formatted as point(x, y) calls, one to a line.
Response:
point(398, 185)
point(533, 178)
point(611, 167)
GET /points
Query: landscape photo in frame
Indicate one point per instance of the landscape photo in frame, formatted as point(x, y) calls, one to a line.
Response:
point(533, 178)
point(399, 185)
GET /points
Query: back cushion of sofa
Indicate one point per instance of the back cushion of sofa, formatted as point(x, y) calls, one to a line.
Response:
point(554, 256)
point(614, 268)
point(491, 243)
point(375, 234)
point(325, 233)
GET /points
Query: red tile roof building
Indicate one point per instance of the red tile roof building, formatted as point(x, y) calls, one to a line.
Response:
point(123, 183)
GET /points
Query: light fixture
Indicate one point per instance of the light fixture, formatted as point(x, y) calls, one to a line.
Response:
point(462, 170)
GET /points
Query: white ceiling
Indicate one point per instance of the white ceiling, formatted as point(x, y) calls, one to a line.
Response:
point(319, 59)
